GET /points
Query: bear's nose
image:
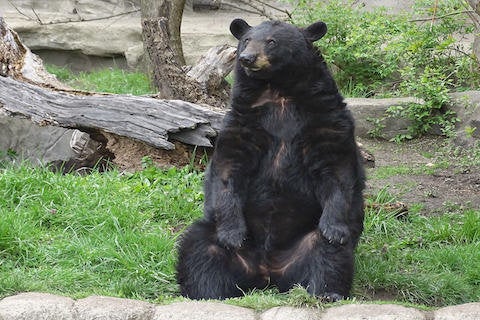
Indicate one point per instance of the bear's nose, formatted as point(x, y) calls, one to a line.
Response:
point(247, 59)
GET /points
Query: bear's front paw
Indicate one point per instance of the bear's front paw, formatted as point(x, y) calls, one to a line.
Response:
point(334, 232)
point(231, 238)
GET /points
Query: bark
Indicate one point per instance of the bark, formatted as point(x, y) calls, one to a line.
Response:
point(17, 61)
point(204, 83)
point(153, 121)
point(161, 37)
point(172, 11)
point(168, 75)
point(161, 21)
point(475, 4)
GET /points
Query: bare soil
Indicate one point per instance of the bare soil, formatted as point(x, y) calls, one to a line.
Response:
point(452, 183)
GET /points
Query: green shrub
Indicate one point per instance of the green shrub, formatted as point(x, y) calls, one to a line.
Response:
point(376, 54)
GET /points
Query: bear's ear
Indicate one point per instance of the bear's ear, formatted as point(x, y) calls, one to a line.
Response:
point(239, 27)
point(315, 31)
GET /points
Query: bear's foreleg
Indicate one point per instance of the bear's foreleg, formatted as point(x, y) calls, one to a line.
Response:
point(226, 183)
point(224, 201)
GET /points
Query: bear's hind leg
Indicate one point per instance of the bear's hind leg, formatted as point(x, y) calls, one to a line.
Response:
point(206, 270)
point(325, 269)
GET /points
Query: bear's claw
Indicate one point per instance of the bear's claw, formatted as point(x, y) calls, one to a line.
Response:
point(335, 233)
point(232, 239)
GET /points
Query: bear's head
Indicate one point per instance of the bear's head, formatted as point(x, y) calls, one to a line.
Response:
point(273, 46)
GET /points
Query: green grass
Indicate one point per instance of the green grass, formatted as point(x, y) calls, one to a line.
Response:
point(418, 259)
point(105, 233)
point(114, 234)
point(112, 80)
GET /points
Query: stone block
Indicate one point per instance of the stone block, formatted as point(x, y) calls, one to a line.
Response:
point(468, 311)
point(372, 312)
point(198, 310)
point(38, 306)
point(289, 313)
point(109, 308)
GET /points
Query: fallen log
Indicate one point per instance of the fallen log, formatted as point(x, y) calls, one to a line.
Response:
point(157, 123)
point(142, 118)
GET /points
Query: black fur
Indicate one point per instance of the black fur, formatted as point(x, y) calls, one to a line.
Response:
point(283, 191)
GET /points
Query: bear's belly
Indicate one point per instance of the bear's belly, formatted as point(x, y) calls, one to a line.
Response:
point(281, 206)
point(276, 218)
point(277, 224)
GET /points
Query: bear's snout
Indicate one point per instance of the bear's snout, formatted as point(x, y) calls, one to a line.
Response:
point(247, 59)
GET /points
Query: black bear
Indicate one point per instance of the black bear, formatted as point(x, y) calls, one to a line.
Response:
point(283, 190)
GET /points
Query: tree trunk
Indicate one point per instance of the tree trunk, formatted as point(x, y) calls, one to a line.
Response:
point(172, 10)
point(161, 38)
point(168, 75)
point(475, 4)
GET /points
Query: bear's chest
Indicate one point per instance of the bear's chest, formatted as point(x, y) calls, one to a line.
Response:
point(284, 124)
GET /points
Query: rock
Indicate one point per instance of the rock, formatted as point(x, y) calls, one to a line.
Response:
point(117, 38)
point(64, 149)
point(108, 308)
point(372, 312)
point(468, 311)
point(33, 142)
point(371, 116)
point(288, 313)
point(466, 105)
point(197, 310)
point(38, 306)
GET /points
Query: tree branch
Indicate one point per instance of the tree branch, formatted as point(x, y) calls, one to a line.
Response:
point(257, 9)
point(441, 17)
point(40, 22)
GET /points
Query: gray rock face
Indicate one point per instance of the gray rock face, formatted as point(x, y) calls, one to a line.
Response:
point(64, 149)
point(371, 116)
point(38, 144)
point(467, 107)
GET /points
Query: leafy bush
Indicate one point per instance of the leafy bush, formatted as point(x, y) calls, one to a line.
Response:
point(374, 53)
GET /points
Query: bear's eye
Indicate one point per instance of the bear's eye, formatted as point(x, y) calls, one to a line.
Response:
point(246, 40)
point(271, 42)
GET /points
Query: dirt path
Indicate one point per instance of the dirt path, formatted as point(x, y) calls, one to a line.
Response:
point(426, 172)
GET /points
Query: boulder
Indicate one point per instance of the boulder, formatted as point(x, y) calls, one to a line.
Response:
point(466, 105)
point(372, 120)
point(288, 313)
